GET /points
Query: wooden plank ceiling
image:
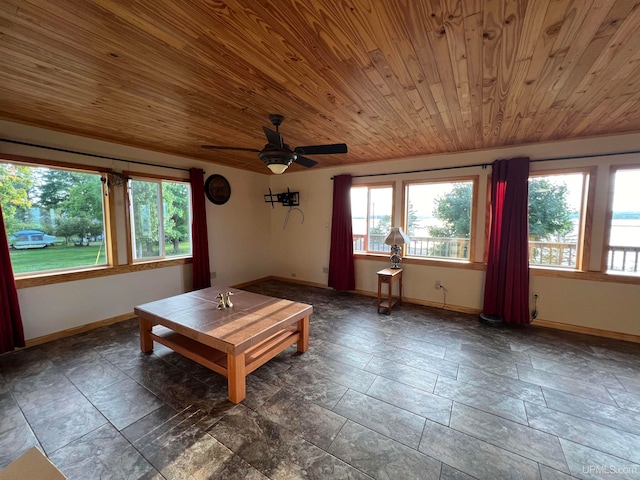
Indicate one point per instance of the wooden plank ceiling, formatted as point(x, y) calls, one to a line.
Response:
point(392, 79)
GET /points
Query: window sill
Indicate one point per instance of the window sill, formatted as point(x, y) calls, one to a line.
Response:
point(152, 260)
point(371, 256)
point(584, 275)
point(40, 279)
point(462, 264)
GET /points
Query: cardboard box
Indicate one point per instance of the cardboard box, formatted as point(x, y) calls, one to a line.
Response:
point(31, 465)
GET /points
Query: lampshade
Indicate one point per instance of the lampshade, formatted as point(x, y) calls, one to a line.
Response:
point(278, 168)
point(396, 237)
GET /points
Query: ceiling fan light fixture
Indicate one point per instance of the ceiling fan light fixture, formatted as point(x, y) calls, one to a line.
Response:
point(278, 168)
point(276, 160)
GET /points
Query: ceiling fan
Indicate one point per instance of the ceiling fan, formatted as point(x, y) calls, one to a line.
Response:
point(277, 155)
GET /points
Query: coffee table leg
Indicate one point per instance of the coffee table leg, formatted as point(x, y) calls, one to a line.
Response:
point(236, 377)
point(303, 328)
point(146, 342)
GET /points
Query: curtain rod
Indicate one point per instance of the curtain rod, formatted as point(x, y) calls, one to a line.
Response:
point(64, 150)
point(485, 165)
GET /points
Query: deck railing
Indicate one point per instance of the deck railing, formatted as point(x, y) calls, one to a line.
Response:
point(418, 246)
point(624, 259)
point(553, 254)
point(620, 258)
point(438, 247)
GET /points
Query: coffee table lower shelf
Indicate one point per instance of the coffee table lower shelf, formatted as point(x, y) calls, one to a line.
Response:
point(233, 366)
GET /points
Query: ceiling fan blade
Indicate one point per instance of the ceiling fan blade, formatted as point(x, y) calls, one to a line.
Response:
point(304, 161)
point(322, 149)
point(274, 138)
point(218, 147)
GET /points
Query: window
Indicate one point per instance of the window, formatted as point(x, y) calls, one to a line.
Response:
point(160, 214)
point(556, 218)
point(372, 217)
point(54, 218)
point(623, 255)
point(438, 218)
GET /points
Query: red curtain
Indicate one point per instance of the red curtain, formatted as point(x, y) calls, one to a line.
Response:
point(199, 236)
point(341, 267)
point(11, 332)
point(506, 290)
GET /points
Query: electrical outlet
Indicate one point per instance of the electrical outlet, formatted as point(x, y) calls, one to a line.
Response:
point(535, 295)
point(325, 270)
point(438, 285)
point(293, 275)
point(213, 275)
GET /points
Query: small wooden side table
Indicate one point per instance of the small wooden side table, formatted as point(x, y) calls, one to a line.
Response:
point(389, 276)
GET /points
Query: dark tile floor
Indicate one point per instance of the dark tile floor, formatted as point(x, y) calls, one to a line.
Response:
point(419, 394)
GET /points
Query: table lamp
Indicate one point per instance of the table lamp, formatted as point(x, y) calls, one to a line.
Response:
point(396, 238)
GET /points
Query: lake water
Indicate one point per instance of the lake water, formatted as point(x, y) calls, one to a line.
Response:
point(625, 233)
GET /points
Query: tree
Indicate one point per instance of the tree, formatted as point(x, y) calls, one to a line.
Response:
point(146, 218)
point(175, 197)
point(549, 211)
point(84, 198)
point(453, 209)
point(54, 187)
point(384, 225)
point(15, 184)
point(413, 223)
point(79, 230)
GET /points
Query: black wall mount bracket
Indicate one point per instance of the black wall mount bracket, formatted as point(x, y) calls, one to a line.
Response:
point(287, 199)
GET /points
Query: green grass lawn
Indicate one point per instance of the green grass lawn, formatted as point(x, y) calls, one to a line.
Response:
point(57, 256)
point(69, 256)
point(183, 249)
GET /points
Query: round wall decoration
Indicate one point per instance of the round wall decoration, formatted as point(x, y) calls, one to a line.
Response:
point(217, 189)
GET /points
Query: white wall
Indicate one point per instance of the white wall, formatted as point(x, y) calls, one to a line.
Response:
point(236, 231)
point(247, 239)
point(52, 308)
point(304, 249)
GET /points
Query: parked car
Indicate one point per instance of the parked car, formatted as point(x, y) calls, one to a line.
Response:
point(30, 239)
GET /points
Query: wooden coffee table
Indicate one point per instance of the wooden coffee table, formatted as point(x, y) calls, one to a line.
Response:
point(233, 342)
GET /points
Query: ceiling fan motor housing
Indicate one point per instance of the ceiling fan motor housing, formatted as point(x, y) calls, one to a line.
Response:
point(269, 156)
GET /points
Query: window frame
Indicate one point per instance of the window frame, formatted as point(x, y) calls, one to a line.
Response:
point(44, 277)
point(606, 241)
point(370, 186)
point(147, 177)
point(587, 202)
point(474, 179)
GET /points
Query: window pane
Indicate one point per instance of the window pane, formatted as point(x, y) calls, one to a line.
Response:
point(145, 219)
point(54, 218)
point(359, 217)
point(379, 219)
point(371, 213)
point(177, 220)
point(554, 219)
point(439, 219)
point(624, 239)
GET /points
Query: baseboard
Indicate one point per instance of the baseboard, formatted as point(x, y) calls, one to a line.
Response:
point(251, 282)
point(425, 303)
point(453, 308)
point(75, 330)
point(301, 282)
point(587, 330)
